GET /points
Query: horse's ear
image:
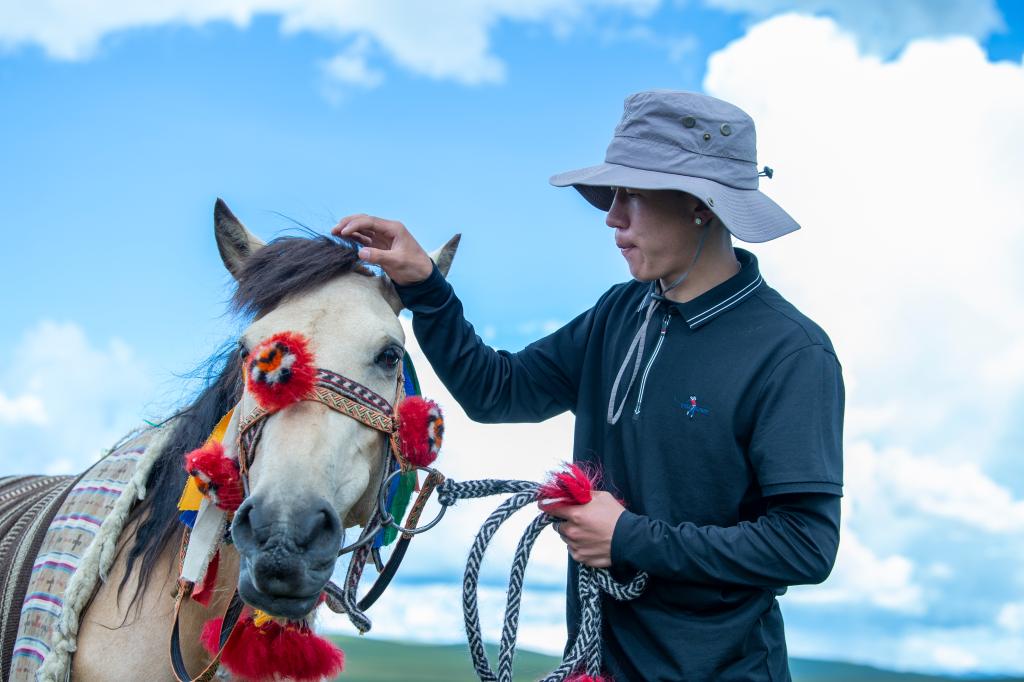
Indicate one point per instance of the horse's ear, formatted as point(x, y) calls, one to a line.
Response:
point(444, 255)
point(387, 289)
point(234, 242)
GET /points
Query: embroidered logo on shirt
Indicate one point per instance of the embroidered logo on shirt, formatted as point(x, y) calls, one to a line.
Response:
point(692, 409)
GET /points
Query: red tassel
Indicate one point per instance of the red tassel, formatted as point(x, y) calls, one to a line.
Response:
point(420, 429)
point(216, 475)
point(263, 653)
point(570, 487)
point(210, 637)
point(583, 677)
point(280, 371)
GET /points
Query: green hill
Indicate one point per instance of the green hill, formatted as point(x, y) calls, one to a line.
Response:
point(374, 660)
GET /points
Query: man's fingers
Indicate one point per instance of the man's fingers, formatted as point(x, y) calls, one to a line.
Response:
point(367, 224)
point(381, 257)
point(360, 237)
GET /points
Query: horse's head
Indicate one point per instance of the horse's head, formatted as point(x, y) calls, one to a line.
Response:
point(313, 471)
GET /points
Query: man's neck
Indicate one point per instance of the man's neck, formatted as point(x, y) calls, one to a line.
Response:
point(710, 270)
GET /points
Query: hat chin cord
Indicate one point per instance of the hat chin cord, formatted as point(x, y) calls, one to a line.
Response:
point(640, 338)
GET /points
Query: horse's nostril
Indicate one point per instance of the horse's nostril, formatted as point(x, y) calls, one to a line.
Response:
point(320, 526)
point(241, 526)
point(248, 529)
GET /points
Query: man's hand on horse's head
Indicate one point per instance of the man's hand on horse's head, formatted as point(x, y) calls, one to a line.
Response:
point(390, 245)
point(587, 529)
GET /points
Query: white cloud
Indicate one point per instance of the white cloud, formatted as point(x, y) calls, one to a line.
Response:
point(504, 451)
point(882, 26)
point(82, 399)
point(909, 201)
point(432, 612)
point(351, 67)
point(446, 39)
point(25, 408)
point(425, 602)
point(860, 576)
point(906, 176)
point(1011, 617)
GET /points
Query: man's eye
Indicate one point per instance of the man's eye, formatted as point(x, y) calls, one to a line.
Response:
point(388, 358)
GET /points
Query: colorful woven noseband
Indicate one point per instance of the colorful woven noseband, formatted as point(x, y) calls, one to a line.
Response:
point(341, 394)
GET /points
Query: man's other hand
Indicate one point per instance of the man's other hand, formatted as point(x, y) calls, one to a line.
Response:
point(587, 529)
point(390, 245)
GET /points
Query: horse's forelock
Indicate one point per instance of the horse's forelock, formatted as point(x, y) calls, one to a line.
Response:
point(290, 266)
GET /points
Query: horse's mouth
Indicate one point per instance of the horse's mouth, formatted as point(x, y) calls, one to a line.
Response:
point(294, 607)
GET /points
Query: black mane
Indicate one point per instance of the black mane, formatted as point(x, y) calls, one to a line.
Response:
point(287, 266)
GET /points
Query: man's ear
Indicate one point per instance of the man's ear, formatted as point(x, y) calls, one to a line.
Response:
point(444, 255)
point(234, 242)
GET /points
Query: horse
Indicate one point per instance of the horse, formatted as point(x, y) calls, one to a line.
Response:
point(314, 472)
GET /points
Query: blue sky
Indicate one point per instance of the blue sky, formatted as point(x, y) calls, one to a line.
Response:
point(894, 131)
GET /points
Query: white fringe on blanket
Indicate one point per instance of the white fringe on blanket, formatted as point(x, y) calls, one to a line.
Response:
point(96, 564)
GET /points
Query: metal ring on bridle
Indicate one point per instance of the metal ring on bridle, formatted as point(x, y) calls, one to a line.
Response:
point(389, 520)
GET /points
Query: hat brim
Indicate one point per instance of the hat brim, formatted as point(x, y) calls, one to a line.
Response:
point(747, 213)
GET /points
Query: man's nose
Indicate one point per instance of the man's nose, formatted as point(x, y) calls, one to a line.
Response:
point(616, 216)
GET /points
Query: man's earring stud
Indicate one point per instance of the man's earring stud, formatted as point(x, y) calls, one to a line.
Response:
point(698, 220)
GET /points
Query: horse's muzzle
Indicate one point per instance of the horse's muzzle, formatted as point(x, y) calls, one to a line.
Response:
point(287, 555)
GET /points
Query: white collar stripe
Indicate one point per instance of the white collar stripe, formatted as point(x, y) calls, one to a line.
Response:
point(732, 300)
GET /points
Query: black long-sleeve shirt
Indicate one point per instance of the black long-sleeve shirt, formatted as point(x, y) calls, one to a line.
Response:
point(728, 456)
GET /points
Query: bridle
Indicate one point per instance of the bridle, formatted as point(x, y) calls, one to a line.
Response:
point(348, 397)
point(352, 399)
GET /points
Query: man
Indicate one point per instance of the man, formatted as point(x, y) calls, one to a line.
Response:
point(712, 407)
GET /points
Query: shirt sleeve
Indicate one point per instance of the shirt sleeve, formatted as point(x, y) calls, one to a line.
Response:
point(793, 543)
point(495, 386)
point(797, 440)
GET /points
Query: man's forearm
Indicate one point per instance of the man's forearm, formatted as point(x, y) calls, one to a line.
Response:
point(794, 543)
point(492, 386)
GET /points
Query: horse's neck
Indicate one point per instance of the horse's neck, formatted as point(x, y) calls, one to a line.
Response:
point(227, 575)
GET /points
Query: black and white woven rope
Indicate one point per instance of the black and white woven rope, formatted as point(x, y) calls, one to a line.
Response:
point(585, 653)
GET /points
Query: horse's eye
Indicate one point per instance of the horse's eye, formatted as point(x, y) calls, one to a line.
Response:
point(242, 350)
point(389, 358)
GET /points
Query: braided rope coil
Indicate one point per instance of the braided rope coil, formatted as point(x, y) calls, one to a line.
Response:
point(585, 652)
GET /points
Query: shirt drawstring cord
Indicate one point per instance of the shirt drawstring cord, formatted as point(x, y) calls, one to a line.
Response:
point(639, 341)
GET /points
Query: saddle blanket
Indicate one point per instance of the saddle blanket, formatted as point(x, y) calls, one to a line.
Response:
point(75, 523)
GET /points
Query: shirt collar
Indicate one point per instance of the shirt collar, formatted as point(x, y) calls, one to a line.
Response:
point(719, 299)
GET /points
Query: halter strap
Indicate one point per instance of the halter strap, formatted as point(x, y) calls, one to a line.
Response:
point(341, 394)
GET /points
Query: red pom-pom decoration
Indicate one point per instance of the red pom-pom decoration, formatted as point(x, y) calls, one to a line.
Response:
point(271, 651)
point(570, 487)
point(216, 475)
point(583, 677)
point(280, 371)
point(421, 430)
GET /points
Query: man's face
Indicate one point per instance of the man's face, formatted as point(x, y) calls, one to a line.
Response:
point(655, 231)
